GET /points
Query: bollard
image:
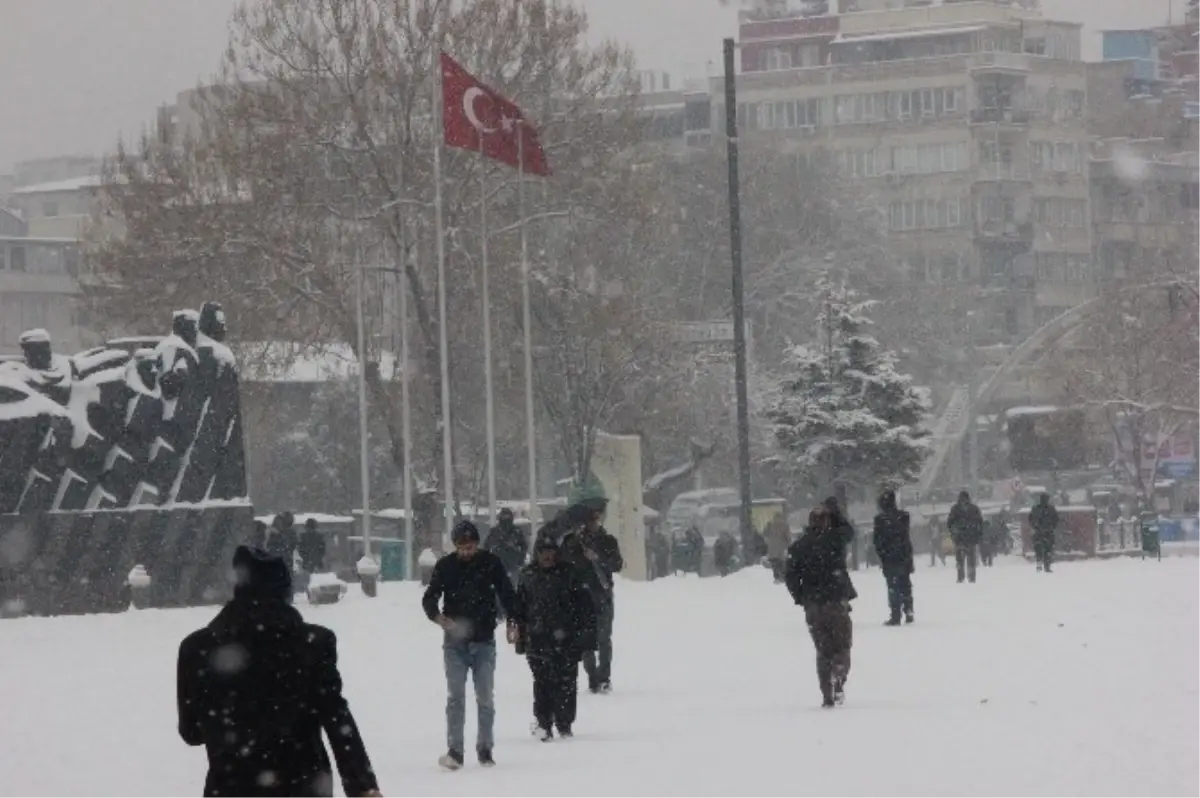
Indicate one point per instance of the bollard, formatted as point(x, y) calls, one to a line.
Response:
point(139, 582)
point(325, 589)
point(368, 575)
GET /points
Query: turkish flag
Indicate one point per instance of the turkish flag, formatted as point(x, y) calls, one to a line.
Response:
point(475, 117)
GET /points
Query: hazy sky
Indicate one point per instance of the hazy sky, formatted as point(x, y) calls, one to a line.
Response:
point(80, 72)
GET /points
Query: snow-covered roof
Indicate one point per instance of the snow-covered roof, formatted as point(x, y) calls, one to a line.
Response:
point(907, 34)
point(1031, 410)
point(320, 518)
point(280, 361)
point(71, 184)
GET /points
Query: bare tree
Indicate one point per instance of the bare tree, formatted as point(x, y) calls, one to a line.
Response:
point(316, 146)
point(1135, 364)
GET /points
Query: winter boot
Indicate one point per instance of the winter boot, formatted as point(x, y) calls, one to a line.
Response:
point(545, 734)
point(908, 618)
point(839, 692)
point(827, 702)
point(485, 757)
point(892, 621)
point(606, 686)
point(451, 760)
point(565, 732)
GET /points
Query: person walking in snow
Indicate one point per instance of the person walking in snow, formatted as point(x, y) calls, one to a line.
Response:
point(893, 546)
point(312, 548)
point(467, 583)
point(508, 542)
point(966, 529)
point(283, 539)
point(779, 537)
point(258, 685)
point(818, 582)
point(597, 556)
point(723, 552)
point(559, 626)
point(1043, 519)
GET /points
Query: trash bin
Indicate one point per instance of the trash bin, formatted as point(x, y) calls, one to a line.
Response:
point(1151, 542)
point(391, 561)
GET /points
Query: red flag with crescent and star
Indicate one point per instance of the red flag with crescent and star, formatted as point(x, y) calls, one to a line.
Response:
point(476, 117)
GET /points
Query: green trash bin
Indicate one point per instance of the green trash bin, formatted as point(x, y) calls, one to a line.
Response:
point(1151, 540)
point(391, 565)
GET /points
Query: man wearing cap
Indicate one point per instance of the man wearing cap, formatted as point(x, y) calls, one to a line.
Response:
point(467, 583)
point(559, 626)
point(256, 687)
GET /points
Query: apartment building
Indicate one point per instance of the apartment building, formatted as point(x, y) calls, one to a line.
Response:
point(964, 120)
point(38, 286)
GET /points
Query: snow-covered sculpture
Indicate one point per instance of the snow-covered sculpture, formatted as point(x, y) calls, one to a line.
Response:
point(119, 427)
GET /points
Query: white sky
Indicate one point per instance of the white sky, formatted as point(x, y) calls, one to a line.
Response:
point(77, 73)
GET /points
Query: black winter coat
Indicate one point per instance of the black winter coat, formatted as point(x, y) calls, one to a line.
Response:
point(597, 574)
point(965, 523)
point(467, 590)
point(312, 550)
point(560, 615)
point(816, 568)
point(255, 688)
point(893, 540)
point(1043, 518)
point(509, 544)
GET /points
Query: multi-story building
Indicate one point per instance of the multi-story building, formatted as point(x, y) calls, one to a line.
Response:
point(38, 286)
point(965, 121)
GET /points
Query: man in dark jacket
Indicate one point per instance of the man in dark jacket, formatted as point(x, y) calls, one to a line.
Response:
point(256, 687)
point(559, 626)
point(283, 539)
point(508, 542)
point(893, 546)
point(312, 548)
point(468, 583)
point(1044, 521)
point(723, 551)
point(597, 556)
point(966, 529)
point(817, 580)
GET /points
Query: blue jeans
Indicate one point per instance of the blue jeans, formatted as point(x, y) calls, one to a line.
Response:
point(479, 659)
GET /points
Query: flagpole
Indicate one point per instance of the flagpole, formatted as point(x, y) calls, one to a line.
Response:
point(363, 443)
point(530, 438)
point(487, 337)
point(447, 456)
point(405, 414)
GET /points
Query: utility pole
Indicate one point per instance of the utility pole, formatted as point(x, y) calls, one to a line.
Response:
point(739, 309)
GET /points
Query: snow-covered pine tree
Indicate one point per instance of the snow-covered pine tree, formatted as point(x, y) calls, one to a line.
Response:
point(843, 415)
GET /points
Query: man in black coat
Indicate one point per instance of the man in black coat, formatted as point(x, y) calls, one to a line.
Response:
point(1044, 521)
point(312, 548)
point(508, 542)
point(597, 556)
point(817, 579)
point(559, 626)
point(256, 687)
point(283, 539)
point(965, 522)
point(893, 546)
point(468, 582)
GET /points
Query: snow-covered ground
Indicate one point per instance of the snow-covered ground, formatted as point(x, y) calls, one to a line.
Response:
point(1083, 682)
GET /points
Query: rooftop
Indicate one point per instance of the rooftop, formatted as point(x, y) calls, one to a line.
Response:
point(72, 184)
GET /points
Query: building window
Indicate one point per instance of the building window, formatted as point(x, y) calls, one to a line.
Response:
point(1060, 156)
point(16, 259)
point(925, 214)
point(860, 108)
point(859, 163)
point(50, 208)
point(808, 55)
point(927, 103)
point(784, 115)
point(779, 58)
point(926, 159)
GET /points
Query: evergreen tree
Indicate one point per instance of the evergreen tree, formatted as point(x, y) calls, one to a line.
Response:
point(843, 415)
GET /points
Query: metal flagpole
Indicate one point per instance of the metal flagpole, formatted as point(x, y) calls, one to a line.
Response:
point(530, 438)
point(363, 463)
point(487, 337)
point(447, 455)
point(405, 408)
point(739, 311)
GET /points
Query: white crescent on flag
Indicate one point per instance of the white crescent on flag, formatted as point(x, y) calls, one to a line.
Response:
point(469, 97)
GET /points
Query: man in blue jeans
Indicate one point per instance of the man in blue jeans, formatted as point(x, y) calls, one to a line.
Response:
point(468, 584)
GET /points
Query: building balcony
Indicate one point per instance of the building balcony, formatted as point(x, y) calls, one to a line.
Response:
point(1001, 116)
point(999, 172)
point(1003, 232)
point(1010, 63)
